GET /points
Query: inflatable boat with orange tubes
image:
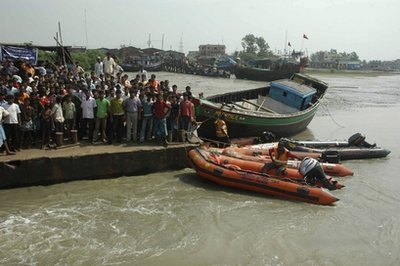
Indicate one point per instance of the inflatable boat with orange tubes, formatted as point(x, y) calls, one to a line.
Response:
point(231, 175)
point(332, 169)
point(291, 173)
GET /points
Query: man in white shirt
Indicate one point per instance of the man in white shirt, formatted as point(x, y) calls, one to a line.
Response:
point(142, 71)
point(88, 104)
point(98, 67)
point(11, 89)
point(118, 70)
point(108, 65)
point(12, 122)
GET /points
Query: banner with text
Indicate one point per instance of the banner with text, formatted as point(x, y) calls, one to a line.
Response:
point(13, 53)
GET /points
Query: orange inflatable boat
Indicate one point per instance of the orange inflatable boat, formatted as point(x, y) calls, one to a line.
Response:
point(332, 169)
point(232, 176)
point(290, 173)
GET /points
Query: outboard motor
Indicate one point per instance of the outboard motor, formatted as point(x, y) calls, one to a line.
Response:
point(358, 139)
point(330, 156)
point(266, 137)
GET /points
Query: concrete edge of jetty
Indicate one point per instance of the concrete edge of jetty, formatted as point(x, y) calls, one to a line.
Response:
point(35, 167)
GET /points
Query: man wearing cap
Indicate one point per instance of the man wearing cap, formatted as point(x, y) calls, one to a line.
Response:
point(98, 67)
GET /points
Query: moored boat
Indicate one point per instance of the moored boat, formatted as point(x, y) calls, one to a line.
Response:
point(332, 155)
point(332, 169)
point(232, 176)
point(289, 173)
point(284, 108)
point(269, 70)
point(152, 67)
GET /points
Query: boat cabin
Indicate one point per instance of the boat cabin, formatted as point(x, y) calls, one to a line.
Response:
point(292, 93)
point(310, 81)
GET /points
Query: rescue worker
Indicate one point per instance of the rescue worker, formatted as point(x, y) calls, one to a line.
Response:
point(279, 156)
point(221, 130)
point(312, 171)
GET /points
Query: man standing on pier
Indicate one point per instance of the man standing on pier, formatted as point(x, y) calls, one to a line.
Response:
point(88, 104)
point(186, 115)
point(132, 108)
point(102, 112)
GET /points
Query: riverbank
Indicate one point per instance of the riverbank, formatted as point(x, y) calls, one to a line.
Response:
point(79, 162)
point(350, 73)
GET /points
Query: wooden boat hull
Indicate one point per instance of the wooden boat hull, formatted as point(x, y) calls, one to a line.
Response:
point(248, 113)
point(245, 125)
point(246, 180)
point(258, 74)
point(135, 68)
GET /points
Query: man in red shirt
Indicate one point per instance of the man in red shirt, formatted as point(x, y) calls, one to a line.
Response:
point(161, 109)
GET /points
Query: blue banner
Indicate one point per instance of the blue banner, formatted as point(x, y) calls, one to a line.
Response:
point(13, 53)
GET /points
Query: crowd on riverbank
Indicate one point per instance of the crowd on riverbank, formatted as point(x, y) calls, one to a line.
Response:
point(104, 105)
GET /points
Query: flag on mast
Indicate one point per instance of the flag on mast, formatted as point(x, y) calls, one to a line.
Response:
point(305, 36)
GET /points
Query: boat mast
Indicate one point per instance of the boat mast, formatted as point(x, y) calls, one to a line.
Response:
point(285, 49)
point(87, 41)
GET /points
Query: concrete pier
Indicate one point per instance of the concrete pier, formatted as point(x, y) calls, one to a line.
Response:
point(73, 162)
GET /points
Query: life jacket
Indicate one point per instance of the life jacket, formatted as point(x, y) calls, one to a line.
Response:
point(219, 125)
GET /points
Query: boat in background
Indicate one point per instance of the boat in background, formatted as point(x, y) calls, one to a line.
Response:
point(284, 108)
point(270, 69)
point(151, 67)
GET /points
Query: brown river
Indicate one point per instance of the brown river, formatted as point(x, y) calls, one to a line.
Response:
point(176, 218)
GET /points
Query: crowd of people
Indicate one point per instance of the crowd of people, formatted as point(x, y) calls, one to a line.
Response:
point(103, 105)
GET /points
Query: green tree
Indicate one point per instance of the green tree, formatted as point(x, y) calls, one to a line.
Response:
point(254, 48)
point(87, 59)
point(262, 45)
point(47, 56)
point(249, 44)
point(354, 56)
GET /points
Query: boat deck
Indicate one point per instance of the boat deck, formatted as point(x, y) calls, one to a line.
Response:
point(267, 104)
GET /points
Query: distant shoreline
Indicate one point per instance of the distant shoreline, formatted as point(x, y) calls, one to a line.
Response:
point(369, 73)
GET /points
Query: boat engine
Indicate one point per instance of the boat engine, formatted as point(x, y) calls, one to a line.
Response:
point(358, 139)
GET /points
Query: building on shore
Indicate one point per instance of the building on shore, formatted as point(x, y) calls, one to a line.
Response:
point(333, 60)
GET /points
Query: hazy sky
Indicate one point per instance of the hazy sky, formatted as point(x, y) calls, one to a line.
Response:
point(371, 28)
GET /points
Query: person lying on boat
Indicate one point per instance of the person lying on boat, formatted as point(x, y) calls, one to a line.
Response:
point(221, 130)
point(312, 171)
point(279, 157)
